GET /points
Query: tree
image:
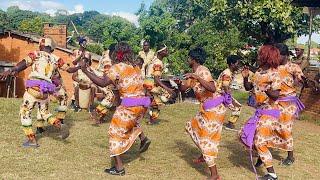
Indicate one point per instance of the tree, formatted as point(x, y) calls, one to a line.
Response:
point(34, 25)
point(3, 19)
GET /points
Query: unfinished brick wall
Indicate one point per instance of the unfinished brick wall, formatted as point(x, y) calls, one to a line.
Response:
point(14, 48)
point(57, 32)
point(310, 98)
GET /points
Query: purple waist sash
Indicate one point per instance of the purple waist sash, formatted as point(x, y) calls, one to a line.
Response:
point(45, 86)
point(249, 129)
point(136, 101)
point(295, 100)
point(225, 98)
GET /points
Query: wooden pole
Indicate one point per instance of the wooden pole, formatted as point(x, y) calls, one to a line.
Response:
point(310, 31)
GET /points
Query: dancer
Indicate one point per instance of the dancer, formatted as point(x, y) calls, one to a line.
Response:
point(261, 131)
point(224, 82)
point(78, 54)
point(289, 104)
point(103, 108)
point(60, 94)
point(38, 88)
point(147, 55)
point(205, 128)
point(84, 83)
point(159, 92)
point(123, 129)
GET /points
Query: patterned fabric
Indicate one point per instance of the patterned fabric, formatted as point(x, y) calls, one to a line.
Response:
point(43, 65)
point(104, 107)
point(155, 68)
point(124, 128)
point(76, 53)
point(147, 58)
point(201, 93)
point(288, 73)
point(205, 128)
point(158, 94)
point(105, 63)
point(83, 78)
point(224, 80)
point(103, 67)
point(268, 127)
point(29, 102)
point(264, 80)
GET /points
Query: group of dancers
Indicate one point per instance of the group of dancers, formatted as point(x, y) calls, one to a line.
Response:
point(140, 89)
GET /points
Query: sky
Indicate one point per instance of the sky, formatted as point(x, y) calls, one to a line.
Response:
point(122, 8)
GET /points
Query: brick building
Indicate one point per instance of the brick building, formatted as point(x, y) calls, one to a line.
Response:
point(310, 98)
point(14, 46)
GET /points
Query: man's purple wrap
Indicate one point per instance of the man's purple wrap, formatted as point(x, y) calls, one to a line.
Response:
point(45, 86)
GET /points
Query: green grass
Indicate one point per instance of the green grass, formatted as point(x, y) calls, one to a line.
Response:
point(84, 155)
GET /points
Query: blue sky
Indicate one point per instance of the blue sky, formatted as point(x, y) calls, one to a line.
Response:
point(123, 8)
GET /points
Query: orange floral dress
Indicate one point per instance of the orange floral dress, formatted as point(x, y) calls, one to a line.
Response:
point(205, 128)
point(124, 128)
point(266, 135)
point(288, 73)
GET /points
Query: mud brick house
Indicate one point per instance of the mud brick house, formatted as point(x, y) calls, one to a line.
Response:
point(14, 46)
point(310, 98)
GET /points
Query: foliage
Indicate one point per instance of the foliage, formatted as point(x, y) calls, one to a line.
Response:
point(95, 48)
point(34, 25)
point(221, 27)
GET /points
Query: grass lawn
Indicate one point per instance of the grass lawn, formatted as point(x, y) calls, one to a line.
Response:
point(84, 155)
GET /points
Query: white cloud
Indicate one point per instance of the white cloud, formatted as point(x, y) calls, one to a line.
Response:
point(128, 16)
point(49, 7)
point(304, 39)
point(77, 9)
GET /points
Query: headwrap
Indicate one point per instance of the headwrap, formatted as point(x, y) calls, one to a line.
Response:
point(120, 55)
point(48, 41)
point(81, 40)
point(165, 47)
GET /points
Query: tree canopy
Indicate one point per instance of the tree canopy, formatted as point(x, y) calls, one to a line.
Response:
point(221, 27)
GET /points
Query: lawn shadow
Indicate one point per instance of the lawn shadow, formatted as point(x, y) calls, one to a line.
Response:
point(276, 154)
point(53, 132)
point(187, 152)
point(129, 156)
point(240, 157)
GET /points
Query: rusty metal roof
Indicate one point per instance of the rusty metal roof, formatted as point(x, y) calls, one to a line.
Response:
point(35, 38)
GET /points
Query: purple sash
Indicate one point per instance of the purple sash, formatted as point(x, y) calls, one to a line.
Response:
point(45, 86)
point(225, 98)
point(249, 129)
point(295, 100)
point(136, 101)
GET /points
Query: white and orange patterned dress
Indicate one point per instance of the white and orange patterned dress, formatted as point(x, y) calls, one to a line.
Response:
point(205, 128)
point(266, 135)
point(288, 73)
point(124, 128)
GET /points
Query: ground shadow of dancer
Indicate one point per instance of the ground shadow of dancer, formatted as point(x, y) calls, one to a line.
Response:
point(188, 153)
point(240, 157)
